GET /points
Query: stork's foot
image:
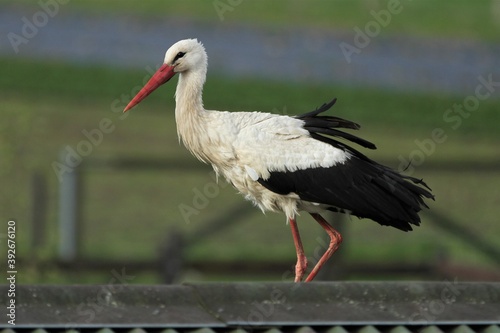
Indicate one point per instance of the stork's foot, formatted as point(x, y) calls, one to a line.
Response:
point(335, 240)
point(301, 266)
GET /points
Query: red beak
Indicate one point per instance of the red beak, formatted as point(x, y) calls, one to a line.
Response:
point(162, 75)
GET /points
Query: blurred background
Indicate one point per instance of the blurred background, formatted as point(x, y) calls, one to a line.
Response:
point(102, 197)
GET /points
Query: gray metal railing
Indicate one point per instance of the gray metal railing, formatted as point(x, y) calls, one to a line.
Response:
point(225, 307)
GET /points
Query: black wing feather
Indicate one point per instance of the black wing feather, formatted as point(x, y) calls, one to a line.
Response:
point(327, 125)
point(362, 188)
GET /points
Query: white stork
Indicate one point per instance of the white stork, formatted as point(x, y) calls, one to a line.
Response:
point(284, 163)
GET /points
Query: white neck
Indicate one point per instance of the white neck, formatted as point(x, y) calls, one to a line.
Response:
point(189, 109)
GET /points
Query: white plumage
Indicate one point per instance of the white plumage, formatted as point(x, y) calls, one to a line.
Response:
point(284, 163)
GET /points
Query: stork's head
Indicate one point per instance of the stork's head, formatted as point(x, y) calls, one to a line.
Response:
point(184, 56)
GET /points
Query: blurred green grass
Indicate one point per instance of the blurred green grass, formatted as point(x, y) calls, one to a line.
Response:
point(46, 105)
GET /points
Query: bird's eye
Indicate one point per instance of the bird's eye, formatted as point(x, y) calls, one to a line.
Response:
point(179, 55)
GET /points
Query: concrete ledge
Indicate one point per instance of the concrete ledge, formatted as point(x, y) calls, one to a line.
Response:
point(229, 305)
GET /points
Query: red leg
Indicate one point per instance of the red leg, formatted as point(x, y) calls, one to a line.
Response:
point(335, 240)
point(301, 266)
